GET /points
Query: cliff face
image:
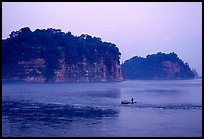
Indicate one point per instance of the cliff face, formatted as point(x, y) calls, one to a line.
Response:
point(64, 60)
point(34, 71)
point(157, 66)
point(84, 72)
point(170, 69)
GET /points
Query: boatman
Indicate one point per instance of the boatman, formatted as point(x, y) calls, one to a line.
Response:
point(132, 100)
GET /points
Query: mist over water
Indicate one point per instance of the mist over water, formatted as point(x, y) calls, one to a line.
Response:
point(163, 108)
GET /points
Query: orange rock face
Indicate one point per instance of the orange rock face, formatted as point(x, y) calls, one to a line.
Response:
point(170, 68)
point(35, 70)
point(85, 72)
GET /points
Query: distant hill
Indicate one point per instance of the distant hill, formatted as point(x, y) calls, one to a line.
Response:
point(49, 55)
point(157, 66)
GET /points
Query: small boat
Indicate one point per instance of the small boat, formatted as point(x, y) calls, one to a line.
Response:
point(127, 102)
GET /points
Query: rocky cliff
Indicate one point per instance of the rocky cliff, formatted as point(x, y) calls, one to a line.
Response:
point(157, 66)
point(53, 56)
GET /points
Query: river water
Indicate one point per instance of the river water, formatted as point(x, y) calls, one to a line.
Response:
point(163, 109)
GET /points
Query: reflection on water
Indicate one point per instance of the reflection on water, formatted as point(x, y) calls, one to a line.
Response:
point(163, 108)
point(113, 93)
point(163, 90)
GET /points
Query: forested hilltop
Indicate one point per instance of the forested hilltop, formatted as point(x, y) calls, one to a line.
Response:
point(50, 55)
point(157, 66)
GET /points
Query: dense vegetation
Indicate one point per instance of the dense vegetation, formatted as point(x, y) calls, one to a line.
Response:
point(52, 44)
point(152, 67)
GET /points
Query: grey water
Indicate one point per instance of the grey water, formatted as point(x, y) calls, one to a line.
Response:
point(164, 109)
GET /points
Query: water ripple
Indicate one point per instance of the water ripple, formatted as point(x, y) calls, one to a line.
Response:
point(167, 106)
point(51, 113)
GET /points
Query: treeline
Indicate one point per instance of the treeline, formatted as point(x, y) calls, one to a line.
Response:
point(52, 44)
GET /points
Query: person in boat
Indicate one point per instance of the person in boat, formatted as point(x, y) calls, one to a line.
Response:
point(132, 100)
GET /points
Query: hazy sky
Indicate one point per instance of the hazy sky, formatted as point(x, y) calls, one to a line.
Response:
point(136, 28)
